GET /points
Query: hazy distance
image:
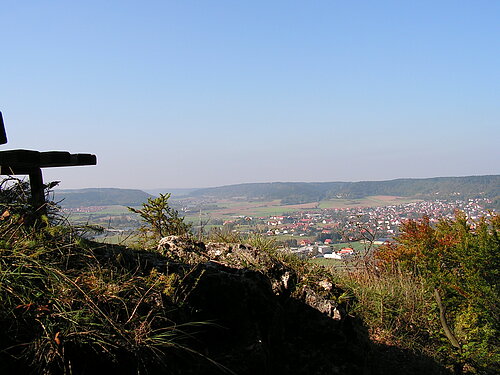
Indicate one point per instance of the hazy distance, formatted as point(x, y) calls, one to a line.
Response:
point(199, 94)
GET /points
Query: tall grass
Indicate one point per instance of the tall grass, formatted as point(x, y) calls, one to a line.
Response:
point(59, 301)
point(396, 307)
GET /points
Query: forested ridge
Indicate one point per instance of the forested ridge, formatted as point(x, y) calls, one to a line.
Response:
point(301, 192)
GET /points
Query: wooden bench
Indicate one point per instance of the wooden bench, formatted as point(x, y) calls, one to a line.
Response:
point(28, 162)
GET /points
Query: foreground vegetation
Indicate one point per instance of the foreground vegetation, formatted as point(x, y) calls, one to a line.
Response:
point(68, 305)
point(435, 291)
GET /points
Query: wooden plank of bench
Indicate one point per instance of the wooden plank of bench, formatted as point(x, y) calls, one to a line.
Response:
point(19, 158)
point(3, 135)
point(83, 159)
point(20, 161)
point(54, 159)
point(65, 159)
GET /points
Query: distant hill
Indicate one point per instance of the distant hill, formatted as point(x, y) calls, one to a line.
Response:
point(176, 192)
point(302, 192)
point(297, 191)
point(100, 197)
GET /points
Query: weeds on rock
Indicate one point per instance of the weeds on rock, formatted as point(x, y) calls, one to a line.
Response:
point(68, 305)
point(160, 220)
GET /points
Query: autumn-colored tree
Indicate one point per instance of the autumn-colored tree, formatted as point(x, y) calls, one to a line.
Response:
point(459, 259)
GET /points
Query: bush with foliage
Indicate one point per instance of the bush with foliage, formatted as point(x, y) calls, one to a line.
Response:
point(458, 261)
point(160, 219)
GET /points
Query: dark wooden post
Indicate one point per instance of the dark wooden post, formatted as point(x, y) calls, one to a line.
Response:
point(37, 192)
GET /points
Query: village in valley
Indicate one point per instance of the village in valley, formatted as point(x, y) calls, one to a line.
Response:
point(331, 233)
point(308, 232)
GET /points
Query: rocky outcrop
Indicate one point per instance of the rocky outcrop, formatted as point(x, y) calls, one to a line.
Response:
point(314, 290)
point(267, 318)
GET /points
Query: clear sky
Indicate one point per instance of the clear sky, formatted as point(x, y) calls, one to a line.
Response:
point(207, 93)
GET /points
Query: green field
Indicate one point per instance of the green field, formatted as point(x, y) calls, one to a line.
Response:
point(341, 263)
point(372, 201)
point(358, 246)
point(105, 211)
point(114, 210)
point(230, 208)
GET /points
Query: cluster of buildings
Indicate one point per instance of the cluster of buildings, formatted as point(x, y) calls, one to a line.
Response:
point(381, 221)
point(83, 209)
point(322, 251)
point(314, 233)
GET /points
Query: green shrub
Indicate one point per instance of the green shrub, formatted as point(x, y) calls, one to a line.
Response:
point(458, 262)
point(160, 220)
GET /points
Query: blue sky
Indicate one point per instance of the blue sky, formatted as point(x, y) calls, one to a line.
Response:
point(206, 93)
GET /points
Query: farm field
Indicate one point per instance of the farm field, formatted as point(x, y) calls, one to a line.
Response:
point(226, 209)
point(372, 201)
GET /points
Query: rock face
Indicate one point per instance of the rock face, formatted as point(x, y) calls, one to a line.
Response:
point(265, 319)
point(259, 332)
point(283, 279)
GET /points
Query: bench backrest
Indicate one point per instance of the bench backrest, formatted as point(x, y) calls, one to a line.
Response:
point(3, 135)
